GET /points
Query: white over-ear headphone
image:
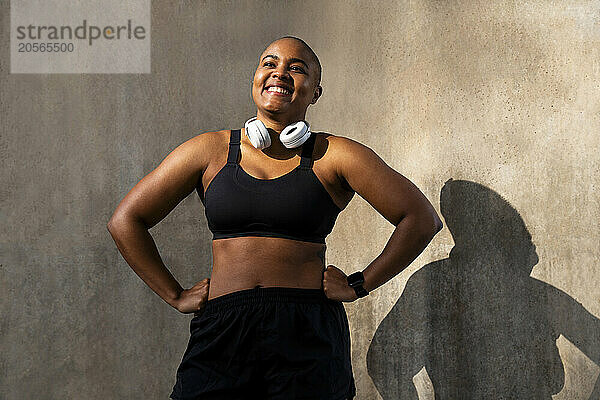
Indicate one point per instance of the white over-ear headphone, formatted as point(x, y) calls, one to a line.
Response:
point(294, 135)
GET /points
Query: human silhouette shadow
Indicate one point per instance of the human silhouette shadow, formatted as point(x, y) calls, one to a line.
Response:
point(482, 327)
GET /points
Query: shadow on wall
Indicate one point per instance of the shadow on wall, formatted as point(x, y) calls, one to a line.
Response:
point(482, 327)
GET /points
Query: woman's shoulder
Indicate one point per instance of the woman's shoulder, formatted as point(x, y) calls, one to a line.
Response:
point(338, 140)
point(338, 146)
point(211, 140)
point(209, 137)
point(205, 147)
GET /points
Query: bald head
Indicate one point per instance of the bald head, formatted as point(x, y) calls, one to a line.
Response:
point(311, 53)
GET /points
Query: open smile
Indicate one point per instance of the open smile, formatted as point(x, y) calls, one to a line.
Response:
point(278, 91)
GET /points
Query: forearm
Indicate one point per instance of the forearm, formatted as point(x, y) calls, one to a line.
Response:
point(408, 240)
point(137, 247)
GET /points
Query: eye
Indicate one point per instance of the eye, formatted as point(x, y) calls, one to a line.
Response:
point(267, 63)
point(297, 68)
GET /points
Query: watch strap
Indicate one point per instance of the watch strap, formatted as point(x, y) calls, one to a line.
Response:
point(355, 281)
point(360, 291)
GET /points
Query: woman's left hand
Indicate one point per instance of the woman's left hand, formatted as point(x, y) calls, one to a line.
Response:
point(335, 285)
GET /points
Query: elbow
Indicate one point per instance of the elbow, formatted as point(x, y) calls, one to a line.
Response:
point(119, 220)
point(430, 224)
point(111, 226)
point(434, 222)
point(439, 225)
point(114, 221)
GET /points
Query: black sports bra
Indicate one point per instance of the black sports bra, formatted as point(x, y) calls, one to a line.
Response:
point(293, 206)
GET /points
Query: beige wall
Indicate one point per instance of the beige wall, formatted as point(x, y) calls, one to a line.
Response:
point(502, 94)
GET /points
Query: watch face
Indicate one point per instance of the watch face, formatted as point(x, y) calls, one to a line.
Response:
point(356, 279)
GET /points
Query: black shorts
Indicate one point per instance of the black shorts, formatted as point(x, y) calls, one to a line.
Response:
point(270, 343)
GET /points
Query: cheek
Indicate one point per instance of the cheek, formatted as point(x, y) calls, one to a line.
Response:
point(305, 85)
point(304, 90)
point(257, 82)
point(260, 74)
point(255, 93)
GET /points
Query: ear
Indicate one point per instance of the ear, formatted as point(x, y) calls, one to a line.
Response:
point(318, 93)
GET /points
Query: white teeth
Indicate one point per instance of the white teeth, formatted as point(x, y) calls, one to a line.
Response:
point(278, 89)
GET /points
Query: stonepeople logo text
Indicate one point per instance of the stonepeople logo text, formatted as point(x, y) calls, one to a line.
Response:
point(82, 32)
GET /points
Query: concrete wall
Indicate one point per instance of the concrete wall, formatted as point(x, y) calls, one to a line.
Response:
point(501, 97)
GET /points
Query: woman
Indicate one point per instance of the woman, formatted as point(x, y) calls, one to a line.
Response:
point(269, 323)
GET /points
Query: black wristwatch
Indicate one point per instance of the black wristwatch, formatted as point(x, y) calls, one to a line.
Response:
point(356, 281)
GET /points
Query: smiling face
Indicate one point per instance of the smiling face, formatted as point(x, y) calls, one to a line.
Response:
point(285, 81)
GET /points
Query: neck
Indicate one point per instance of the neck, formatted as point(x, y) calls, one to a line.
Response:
point(276, 123)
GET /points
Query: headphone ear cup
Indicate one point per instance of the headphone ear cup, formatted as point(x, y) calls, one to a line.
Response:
point(294, 135)
point(257, 133)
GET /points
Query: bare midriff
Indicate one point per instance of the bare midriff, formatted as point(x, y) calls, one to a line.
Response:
point(250, 261)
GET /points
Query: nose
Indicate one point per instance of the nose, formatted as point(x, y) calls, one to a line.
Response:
point(281, 73)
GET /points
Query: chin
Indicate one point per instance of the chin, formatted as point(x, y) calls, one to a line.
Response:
point(273, 109)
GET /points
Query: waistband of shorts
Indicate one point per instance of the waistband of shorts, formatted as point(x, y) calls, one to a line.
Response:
point(259, 295)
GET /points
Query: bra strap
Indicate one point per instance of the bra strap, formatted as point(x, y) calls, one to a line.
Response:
point(307, 150)
point(234, 146)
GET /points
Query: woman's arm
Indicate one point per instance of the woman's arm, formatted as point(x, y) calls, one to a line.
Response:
point(148, 203)
point(397, 199)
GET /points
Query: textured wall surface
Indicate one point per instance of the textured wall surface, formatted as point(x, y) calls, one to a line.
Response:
point(491, 108)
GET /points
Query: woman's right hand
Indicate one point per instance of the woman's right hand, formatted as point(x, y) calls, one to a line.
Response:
point(194, 299)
